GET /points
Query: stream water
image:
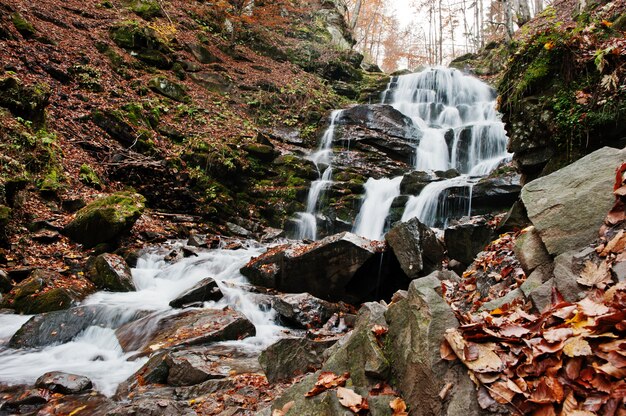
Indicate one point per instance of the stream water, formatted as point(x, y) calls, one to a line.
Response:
point(96, 352)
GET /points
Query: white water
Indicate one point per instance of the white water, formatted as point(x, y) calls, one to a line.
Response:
point(379, 195)
point(460, 129)
point(307, 221)
point(96, 352)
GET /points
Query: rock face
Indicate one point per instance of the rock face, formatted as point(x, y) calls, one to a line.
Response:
point(568, 206)
point(64, 383)
point(464, 241)
point(106, 219)
point(110, 272)
point(303, 310)
point(530, 250)
point(417, 325)
point(382, 127)
point(495, 194)
point(38, 294)
point(416, 247)
point(291, 356)
point(340, 267)
point(203, 291)
point(190, 327)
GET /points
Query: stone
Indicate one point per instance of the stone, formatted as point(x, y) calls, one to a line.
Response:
point(189, 327)
point(530, 250)
point(417, 325)
point(197, 240)
point(106, 219)
point(28, 102)
point(339, 267)
point(413, 182)
point(501, 301)
point(110, 272)
point(39, 293)
point(6, 284)
point(212, 82)
point(515, 219)
point(553, 202)
point(289, 357)
point(202, 54)
point(237, 229)
point(151, 406)
point(169, 89)
point(57, 327)
point(542, 295)
point(465, 241)
point(494, 194)
point(64, 383)
point(416, 247)
point(567, 269)
point(303, 310)
point(203, 291)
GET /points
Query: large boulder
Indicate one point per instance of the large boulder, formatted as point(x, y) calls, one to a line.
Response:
point(303, 310)
point(417, 325)
point(64, 383)
point(203, 291)
point(339, 267)
point(41, 292)
point(493, 194)
point(106, 219)
point(289, 357)
point(190, 327)
point(110, 272)
point(382, 127)
point(568, 206)
point(28, 102)
point(465, 241)
point(416, 247)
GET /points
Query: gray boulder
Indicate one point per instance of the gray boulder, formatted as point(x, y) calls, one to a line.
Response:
point(303, 310)
point(203, 291)
point(530, 250)
point(416, 247)
point(110, 272)
point(289, 357)
point(568, 206)
point(495, 194)
point(64, 383)
point(465, 241)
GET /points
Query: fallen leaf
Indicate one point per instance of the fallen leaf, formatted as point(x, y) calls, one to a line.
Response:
point(283, 411)
point(327, 380)
point(595, 275)
point(577, 347)
point(487, 361)
point(591, 308)
point(398, 406)
point(445, 390)
point(383, 389)
point(352, 400)
point(379, 330)
point(501, 392)
point(557, 334)
point(512, 330)
point(446, 351)
point(617, 243)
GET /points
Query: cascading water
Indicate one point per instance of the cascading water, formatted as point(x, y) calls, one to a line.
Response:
point(379, 195)
point(96, 352)
point(307, 221)
point(459, 129)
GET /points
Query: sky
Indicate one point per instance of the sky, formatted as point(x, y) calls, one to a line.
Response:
point(405, 13)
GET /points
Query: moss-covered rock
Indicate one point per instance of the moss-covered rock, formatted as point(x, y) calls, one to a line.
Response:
point(106, 219)
point(23, 26)
point(144, 42)
point(39, 293)
point(146, 9)
point(110, 272)
point(89, 177)
point(169, 89)
point(28, 102)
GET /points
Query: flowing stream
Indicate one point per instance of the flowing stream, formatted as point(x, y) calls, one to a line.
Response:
point(96, 352)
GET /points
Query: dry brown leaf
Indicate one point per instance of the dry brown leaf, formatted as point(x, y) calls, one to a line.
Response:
point(327, 380)
point(544, 410)
point(501, 392)
point(398, 406)
point(379, 330)
point(557, 334)
point(445, 390)
point(446, 351)
point(284, 410)
point(570, 404)
point(593, 275)
point(577, 347)
point(383, 389)
point(512, 330)
point(352, 400)
point(617, 243)
point(591, 308)
point(488, 361)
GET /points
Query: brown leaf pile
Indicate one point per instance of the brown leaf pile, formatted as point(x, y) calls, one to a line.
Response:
point(327, 380)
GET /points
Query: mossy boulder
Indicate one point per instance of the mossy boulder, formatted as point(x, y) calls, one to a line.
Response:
point(39, 293)
point(169, 89)
point(23, 26)
point(144, 42)
point(110, 272)
point(106, 219)
point(28, 102)
point(146, 9)
point(5, 216)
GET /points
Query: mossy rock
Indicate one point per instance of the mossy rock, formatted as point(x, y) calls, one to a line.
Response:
point(28, 102)
point(38, 294)
point(146, 9)
point(5, 216)
point(169, 89)
point(23, 26)
point(106, 219)
point(89, 177)
point(110, 272)
point(261, 151)
point(144, 42)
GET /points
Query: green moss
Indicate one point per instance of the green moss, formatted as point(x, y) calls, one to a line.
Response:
point(23, 26)
point(87, 77)
point(146, 9)
point(89, 177)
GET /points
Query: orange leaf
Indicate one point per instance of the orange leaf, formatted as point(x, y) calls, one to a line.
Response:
point(593, 275)
point(398, 406)
point(379, 330)
point(284, 410)
point(577, 347)
point(327, 380)
point(353, 401)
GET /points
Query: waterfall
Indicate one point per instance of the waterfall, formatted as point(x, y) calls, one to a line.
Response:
point(460, 130)
point(322, 158)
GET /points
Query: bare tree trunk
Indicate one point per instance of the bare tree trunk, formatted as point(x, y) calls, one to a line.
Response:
point(355, 14)
point(481, 13)
point(465, 28)
point(508, 17)
point(523, 12)
point(440, 34)
point(538, 6)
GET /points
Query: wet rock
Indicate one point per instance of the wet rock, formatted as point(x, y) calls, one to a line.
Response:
point(190, 327)
point(39, 294)
point(413, 182)
point(90, 403)
point(203, 291)
point(416, 247)
point(197, 240)
point(64, 383)
point(553, 202)
point(515, 219)
point(110, 272)
point(6, 284)
point(530, 250)
point(340, 267)
point(202, 54)
point(417, 325)
point(56, 327)
point(495, 194)
point(465, 241)
point(153, 407)
point(380, 126)
point(169, 89)
point(303, 310)
point(106, 219)
point(237, 230)
point(23, 400)
point(289, 357)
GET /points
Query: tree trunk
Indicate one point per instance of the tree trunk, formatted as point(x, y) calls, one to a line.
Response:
point(538, 6)
point(523, 12)
point(355, 14)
